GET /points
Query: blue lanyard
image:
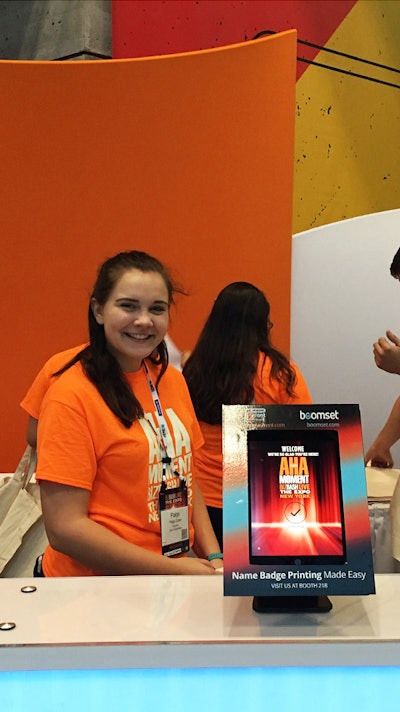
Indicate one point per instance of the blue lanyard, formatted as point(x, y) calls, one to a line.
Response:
point(164, 435)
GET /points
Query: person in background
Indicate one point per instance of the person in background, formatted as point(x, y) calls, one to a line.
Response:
point(117, 441)
point(379, 454)
point(387, 357)
point(235, 362)
point(387, 350)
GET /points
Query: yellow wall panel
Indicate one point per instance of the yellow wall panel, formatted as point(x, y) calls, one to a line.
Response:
point(347, 153)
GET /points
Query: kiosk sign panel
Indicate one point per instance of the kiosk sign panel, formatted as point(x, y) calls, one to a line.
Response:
point(296, 519)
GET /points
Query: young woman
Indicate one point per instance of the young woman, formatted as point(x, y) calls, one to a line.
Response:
point(117, 441)
point(234, 362)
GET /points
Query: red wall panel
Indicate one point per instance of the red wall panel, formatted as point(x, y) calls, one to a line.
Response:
point(153, 27)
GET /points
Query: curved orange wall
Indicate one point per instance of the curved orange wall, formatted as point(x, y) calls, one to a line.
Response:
point(189, 157)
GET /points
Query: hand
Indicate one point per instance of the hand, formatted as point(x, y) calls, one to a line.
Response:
point(218, 565)
point(378, 456)
point(192, 566)
point(387, 353)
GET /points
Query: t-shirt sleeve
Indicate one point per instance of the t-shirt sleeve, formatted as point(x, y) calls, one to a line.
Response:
point(65, 446)
point(301, 392)
point(32, 401)
point(270, 390)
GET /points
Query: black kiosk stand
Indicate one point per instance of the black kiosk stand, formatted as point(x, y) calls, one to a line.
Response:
point(292, 604)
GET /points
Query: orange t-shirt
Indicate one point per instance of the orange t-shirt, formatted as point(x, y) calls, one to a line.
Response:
point(83, 444)
point(32, 401)
point(209, 457)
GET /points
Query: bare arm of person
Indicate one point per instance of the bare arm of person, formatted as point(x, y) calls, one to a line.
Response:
point(31, 431)
point(387, 353)
point(379, 454)
point(71, 532)
point(205, 541)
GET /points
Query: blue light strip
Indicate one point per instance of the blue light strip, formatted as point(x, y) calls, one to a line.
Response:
point(195, 690)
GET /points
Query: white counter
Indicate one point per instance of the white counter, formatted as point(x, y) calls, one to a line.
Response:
point(186, 622)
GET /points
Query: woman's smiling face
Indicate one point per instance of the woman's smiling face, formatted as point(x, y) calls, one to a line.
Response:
point(135, 317)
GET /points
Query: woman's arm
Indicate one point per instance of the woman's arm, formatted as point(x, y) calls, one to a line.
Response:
point(71, 532)
point(379, 453)
point(205, 541)
point(387, 353)
point(31, 431)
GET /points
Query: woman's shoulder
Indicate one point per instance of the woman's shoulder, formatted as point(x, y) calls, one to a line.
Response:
point(174, 373)
point(265, 362)
point(58, 360)
point(71, 386)
point(276, 389)
point(173, 377)
point(173, 383)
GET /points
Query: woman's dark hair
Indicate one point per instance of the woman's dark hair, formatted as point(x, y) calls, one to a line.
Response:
point(223, 364)
point(100, 366)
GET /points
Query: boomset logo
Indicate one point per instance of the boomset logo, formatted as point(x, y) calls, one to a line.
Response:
point(319, 415)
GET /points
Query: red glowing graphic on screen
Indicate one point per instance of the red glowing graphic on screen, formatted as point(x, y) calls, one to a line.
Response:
point(295, 501)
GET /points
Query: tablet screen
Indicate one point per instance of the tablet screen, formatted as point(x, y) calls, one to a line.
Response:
point(295, 497)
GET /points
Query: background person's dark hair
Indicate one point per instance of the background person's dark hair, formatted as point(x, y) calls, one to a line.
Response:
point(100, 366)
point(395, 266)
point(223, 364)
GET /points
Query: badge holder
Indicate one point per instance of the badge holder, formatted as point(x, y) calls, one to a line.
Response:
point(174, 518)
point(173, 501)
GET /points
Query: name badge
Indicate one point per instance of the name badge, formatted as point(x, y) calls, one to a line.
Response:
point(174, 519)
